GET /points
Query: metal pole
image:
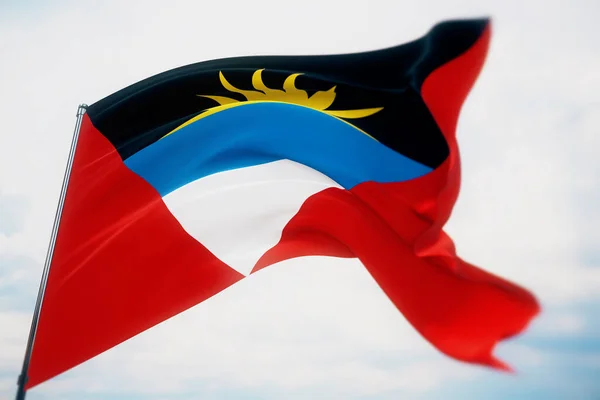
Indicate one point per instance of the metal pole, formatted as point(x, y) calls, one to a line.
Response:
point(22, 381)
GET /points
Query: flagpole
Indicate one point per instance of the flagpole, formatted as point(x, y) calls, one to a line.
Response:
point(22, 381)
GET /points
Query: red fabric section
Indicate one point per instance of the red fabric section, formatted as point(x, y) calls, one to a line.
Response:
point(122, 263)
point(395, 229)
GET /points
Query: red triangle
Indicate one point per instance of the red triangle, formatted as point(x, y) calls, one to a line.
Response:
point(122, 263)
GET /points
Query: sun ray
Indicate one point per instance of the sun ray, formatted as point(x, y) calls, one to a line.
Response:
point(320, 100)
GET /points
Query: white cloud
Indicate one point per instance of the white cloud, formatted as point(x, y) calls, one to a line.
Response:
point(527, 208)
point(13, 337)
point(12, 212)
point(563, 324)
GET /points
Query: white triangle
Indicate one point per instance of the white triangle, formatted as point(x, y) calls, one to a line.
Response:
point(240, 214)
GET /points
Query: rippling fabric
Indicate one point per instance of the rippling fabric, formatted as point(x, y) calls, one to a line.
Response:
point(188, 181)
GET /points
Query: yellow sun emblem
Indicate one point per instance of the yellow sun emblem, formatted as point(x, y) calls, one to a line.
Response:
point(321, 100)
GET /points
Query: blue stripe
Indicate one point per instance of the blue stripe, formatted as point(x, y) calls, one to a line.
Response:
point(258, 133)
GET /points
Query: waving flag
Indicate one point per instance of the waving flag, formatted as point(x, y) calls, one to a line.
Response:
point(186, 182)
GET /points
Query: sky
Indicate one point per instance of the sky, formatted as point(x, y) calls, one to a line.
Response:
point(319, 328)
